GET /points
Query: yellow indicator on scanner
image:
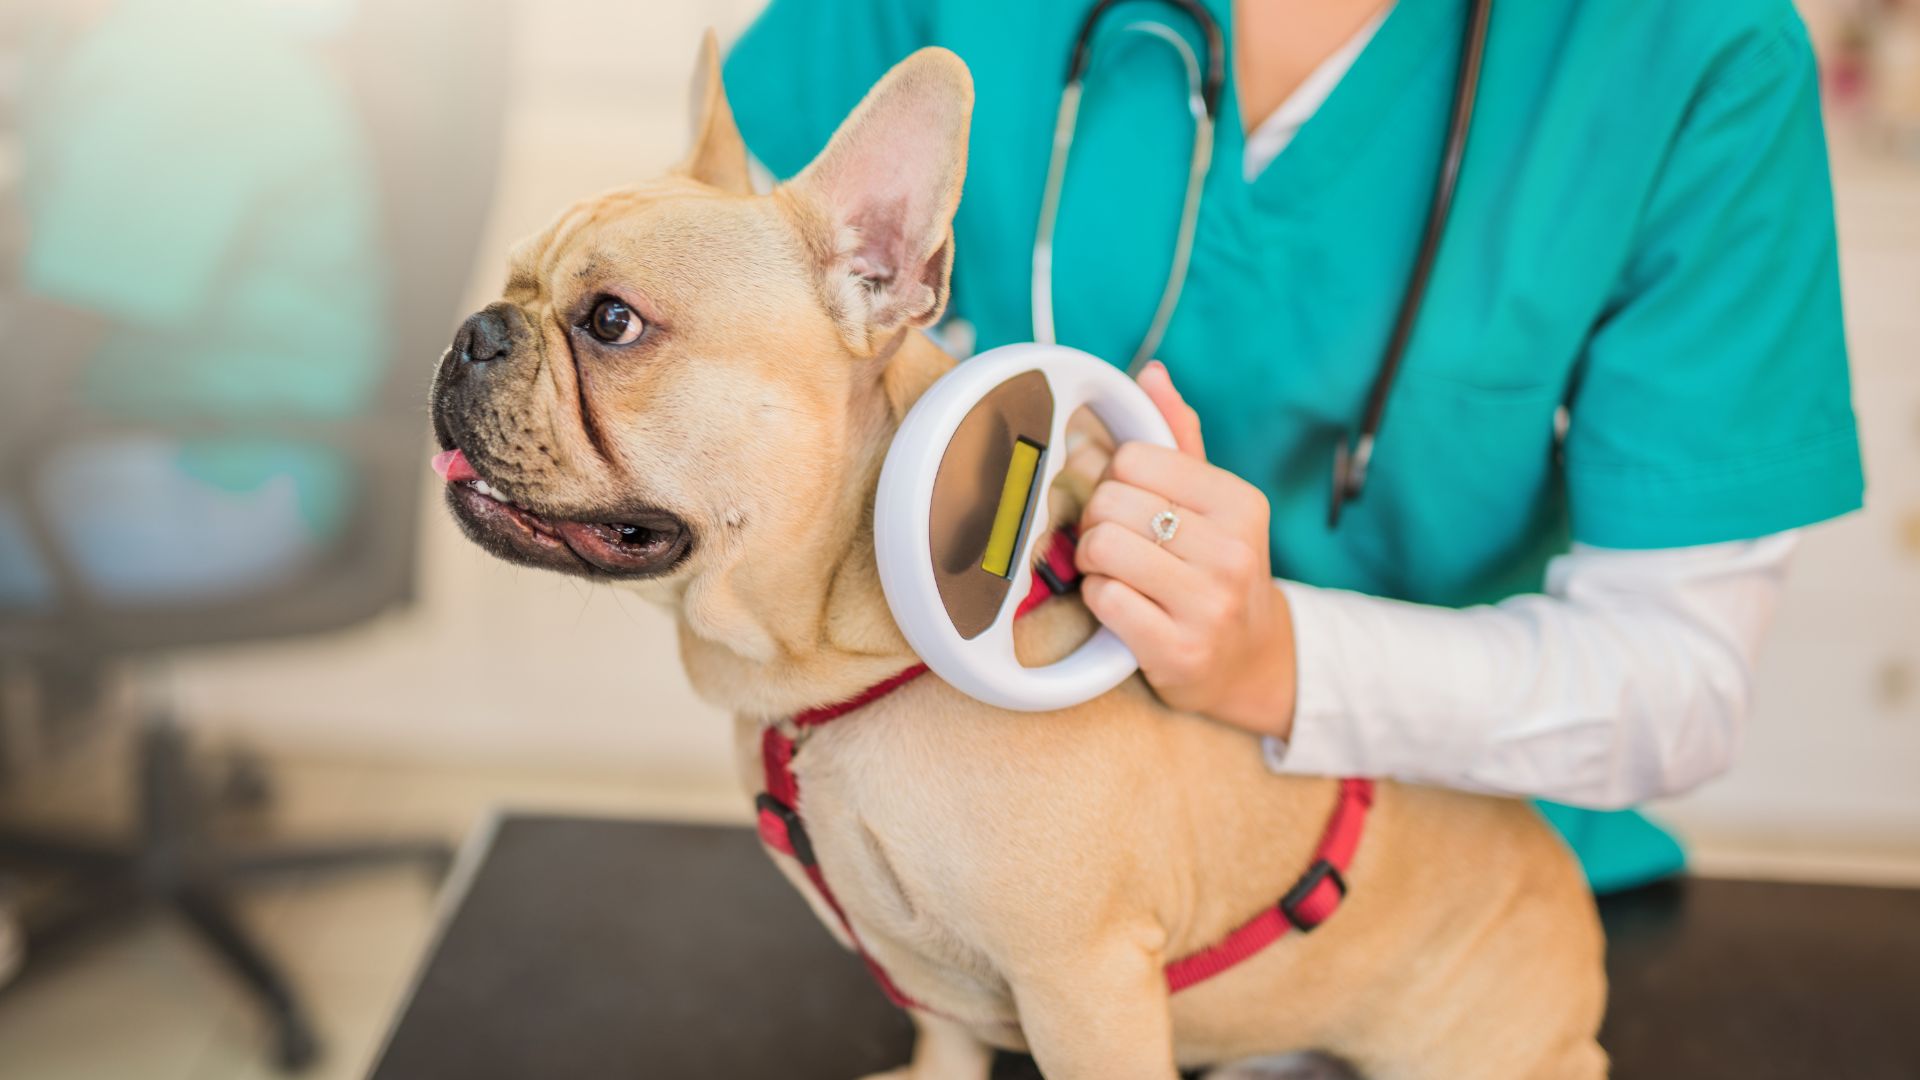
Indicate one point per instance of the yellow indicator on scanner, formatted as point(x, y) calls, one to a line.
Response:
point(1013, 509)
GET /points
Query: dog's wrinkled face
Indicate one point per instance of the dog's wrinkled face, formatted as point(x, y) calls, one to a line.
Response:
point(597, 406)
point(679, 367)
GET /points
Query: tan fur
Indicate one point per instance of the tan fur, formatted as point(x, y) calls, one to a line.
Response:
point(1024, 875)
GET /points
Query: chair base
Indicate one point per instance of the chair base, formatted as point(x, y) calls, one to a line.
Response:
point(172, 865)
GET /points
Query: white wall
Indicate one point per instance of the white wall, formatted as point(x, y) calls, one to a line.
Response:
point(504, 666)
point(1836, 739)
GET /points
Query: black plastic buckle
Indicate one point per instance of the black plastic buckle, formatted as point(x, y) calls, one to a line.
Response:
point(1320, 871)
point(1055, 585)
point(790, 820)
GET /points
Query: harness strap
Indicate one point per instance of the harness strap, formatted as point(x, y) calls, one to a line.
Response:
point(1312, 900)
point(1054, 575)
point(1315, 896)
point(781, 830)
point(779, 822)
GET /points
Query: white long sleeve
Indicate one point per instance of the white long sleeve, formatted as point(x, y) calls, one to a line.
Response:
point(1629, 679)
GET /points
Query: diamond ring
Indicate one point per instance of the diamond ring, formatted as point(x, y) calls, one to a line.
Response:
point(1166, 524)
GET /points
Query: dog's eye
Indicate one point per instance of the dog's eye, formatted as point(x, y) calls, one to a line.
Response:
point(615, 323)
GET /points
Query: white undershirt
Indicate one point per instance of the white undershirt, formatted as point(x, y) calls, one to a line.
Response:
point(1265, 142)
point(1628, 679)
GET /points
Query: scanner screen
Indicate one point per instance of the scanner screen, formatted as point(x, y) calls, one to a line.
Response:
point(1015, 495)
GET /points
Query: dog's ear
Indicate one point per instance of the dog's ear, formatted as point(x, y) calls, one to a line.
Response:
point(882, 197)
point(718, 157)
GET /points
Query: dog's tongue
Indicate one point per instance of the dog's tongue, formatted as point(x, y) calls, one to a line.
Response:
point(452, 467)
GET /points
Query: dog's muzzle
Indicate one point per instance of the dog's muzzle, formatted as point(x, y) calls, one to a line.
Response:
point(486, 470)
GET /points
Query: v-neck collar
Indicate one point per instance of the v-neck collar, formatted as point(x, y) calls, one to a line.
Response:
point(1403, 46)
point(1277, 129)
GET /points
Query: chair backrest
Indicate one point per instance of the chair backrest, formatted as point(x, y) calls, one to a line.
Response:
point(429, 81)
point(430, 77)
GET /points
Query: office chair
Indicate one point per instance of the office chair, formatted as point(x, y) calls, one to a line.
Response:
point(427, 79)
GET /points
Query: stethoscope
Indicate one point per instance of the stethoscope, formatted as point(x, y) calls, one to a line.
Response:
point(1354, 452)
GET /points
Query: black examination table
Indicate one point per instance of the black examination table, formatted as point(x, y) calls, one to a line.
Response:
point(595, 949)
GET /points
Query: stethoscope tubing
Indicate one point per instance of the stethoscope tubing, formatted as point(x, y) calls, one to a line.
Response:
point(1205, 89)
point(1352, 459)
point(1216, 75)
point(1352, 455)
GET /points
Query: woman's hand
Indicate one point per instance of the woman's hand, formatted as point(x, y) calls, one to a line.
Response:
point(1201, 611)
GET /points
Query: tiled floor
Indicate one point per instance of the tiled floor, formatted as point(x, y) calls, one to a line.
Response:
point(147, 1003)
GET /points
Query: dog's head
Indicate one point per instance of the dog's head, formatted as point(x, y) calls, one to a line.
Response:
point(682, 374)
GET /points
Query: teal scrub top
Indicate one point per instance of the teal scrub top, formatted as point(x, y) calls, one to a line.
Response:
point(1643, 235)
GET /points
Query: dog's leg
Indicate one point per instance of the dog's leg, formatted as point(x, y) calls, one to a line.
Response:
point(943, 1050)
point(1098, 1016)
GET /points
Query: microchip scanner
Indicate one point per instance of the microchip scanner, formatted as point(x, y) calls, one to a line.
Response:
point(962, 501)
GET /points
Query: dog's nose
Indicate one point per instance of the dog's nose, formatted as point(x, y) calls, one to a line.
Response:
point(484, 336)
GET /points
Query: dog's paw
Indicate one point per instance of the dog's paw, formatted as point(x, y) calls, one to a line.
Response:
point(1089, 448)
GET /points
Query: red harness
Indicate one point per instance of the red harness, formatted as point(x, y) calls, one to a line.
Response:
point(1315, 896)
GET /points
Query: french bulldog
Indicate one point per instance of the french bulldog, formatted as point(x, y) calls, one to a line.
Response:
point(687, 390)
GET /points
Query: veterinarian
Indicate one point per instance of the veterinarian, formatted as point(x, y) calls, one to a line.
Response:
point(1625, 393)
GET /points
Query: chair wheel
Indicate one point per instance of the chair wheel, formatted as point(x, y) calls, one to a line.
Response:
point(298, 1048)
point(13, 943)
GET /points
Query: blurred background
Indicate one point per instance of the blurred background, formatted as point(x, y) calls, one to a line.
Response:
point(316, 676)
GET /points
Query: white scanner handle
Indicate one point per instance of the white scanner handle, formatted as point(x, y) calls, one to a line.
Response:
point(985, 667)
